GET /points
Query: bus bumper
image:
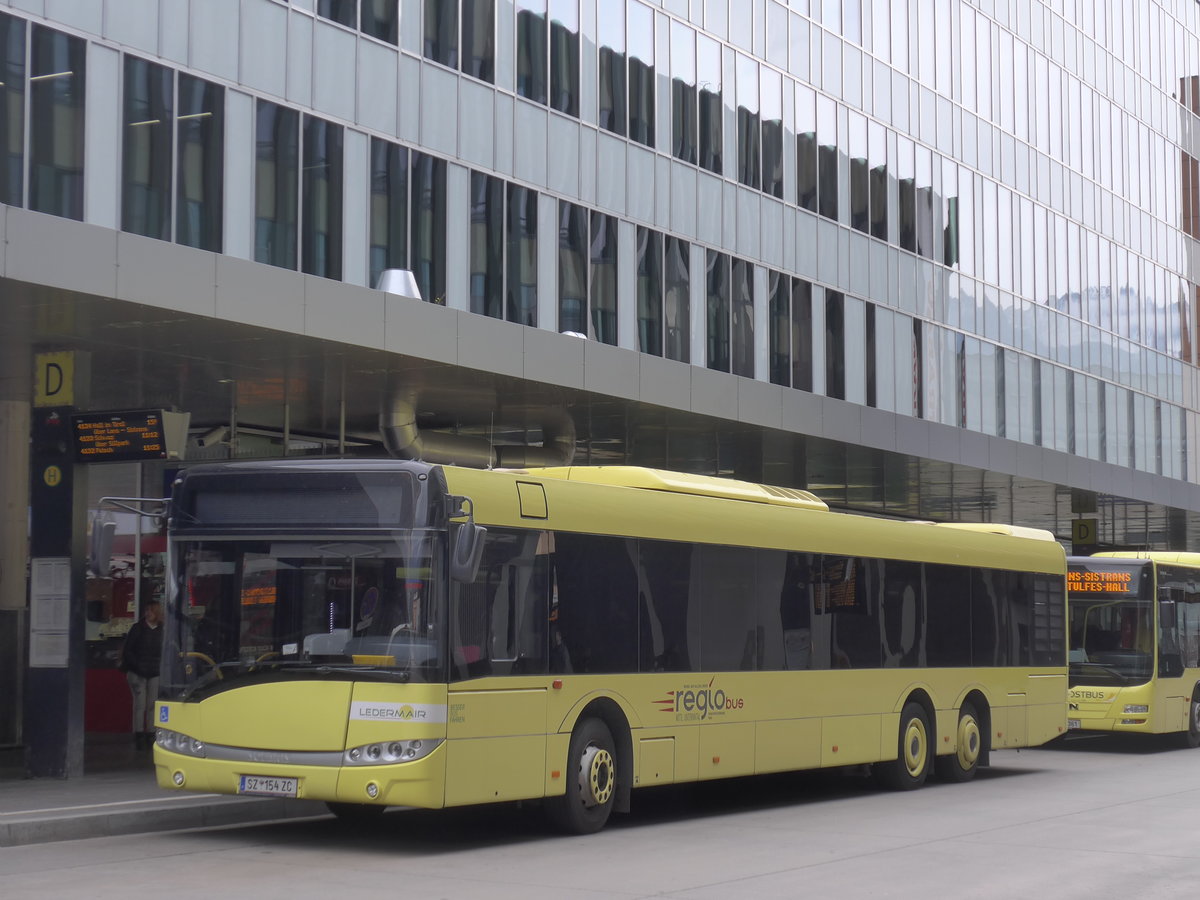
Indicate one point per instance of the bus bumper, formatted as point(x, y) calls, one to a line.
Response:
point(418, 783)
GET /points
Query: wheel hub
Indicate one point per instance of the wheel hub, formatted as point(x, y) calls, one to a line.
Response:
point(968, 742)
point(915, 747)
point(596, 776)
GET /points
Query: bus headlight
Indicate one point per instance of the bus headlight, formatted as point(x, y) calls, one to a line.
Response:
point(179, 743)
point(1133, 708)
point(388, 752)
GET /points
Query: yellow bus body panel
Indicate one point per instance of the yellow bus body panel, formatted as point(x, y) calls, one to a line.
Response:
point(1103, 708)
point(506, 738)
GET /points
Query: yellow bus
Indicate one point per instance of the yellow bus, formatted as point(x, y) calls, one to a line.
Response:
point(391, 633)
point(1135, 643)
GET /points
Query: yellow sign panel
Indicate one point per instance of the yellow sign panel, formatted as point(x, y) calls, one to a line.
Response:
point(52, 475)
point(1085, 531)
point(54, 379)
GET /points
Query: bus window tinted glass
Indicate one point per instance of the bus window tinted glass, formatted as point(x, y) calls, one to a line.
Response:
point(665, 606)
point(596, 614)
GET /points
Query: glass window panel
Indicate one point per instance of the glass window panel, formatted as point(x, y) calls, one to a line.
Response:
point(806, 148)
point(487, 245)
point(906, 180)
point(859, 173)
point(597, 601)
point(677, 296)
point(925, 205)
point(56, 104)
point(440, 40)
point(521, 237)
point(641, 74)
point(728, 635)
point(602, 287)
point(779, 317)
point(479, 39)
point(564, 56)
point(149, 117)
point(900, 34)
point(388, 208)
point(827, 158)
point(748, 134)
point(835, 346)
point(276, 184)
point(427, 253)
point(531, 50)
point(708, 58)
point(380, 19)
point(870, 392)
point(666, 602)
point(742, 312)
point(12, 109)
point(200, 166)
point(321, 221)
point(649, 291)
point(683, 92)
point(612, 68)
point(802, 336)
point(717, 293)
point(572, 268)
point(877, 179)
point(344, 12)
point(772, 132)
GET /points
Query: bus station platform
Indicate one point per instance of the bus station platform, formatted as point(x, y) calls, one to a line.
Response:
point(117, 795)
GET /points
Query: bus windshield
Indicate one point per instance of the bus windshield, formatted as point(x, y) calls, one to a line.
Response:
point(245, 610)
point(1112, 634)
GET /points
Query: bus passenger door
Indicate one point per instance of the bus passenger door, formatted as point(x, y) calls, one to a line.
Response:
point(496, 729)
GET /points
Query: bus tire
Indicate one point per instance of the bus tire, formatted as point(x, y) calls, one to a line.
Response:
point(964, 762)
point(591, 781)
point(1191, 737)
point(914, 752)
point(355, 813)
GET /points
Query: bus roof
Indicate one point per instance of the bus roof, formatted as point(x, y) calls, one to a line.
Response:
point(683, 483)
point(1163, 556)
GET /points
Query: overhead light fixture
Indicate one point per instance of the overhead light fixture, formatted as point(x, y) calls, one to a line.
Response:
point(401, 282)
point(50, 75)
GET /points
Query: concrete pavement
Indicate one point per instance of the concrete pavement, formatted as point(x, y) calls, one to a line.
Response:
point(118, 795)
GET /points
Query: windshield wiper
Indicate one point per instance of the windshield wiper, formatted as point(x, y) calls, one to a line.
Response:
point(1111, 670)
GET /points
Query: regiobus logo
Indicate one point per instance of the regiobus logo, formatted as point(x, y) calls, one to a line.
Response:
point(696, 702)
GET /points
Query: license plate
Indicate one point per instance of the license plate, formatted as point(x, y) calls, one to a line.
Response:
point(1073, 723)
point(268, 785)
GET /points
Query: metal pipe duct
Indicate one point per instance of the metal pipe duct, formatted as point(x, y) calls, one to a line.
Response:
point(404, 438)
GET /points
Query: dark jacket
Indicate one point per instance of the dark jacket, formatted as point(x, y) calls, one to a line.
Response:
point(142, 652)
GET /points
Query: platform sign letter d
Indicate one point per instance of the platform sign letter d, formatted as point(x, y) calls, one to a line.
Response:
point(54, 383)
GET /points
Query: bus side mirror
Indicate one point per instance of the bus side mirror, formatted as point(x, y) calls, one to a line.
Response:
point(466, 550)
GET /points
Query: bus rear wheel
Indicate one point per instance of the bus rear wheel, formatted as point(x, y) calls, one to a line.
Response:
point(1191, 737)
point(914, 753)
point(591, 781)
point(964, 762)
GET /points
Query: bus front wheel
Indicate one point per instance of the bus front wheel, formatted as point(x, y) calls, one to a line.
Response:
point(591, 781)
point(914, 753)
point(1191, 737)
point(964, 762)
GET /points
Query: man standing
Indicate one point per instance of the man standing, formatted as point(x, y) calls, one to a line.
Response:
point(140, 659)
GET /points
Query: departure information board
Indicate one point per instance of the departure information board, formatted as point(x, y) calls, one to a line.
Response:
point(119, 436)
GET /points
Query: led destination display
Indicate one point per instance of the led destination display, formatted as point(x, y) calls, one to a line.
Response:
point(120, 436)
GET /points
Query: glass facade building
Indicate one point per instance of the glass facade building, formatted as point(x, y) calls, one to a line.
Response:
point(924, 257)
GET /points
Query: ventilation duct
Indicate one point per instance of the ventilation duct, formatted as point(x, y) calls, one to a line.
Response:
point(404, 438)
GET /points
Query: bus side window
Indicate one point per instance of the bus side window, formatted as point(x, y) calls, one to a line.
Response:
point(500, 618)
